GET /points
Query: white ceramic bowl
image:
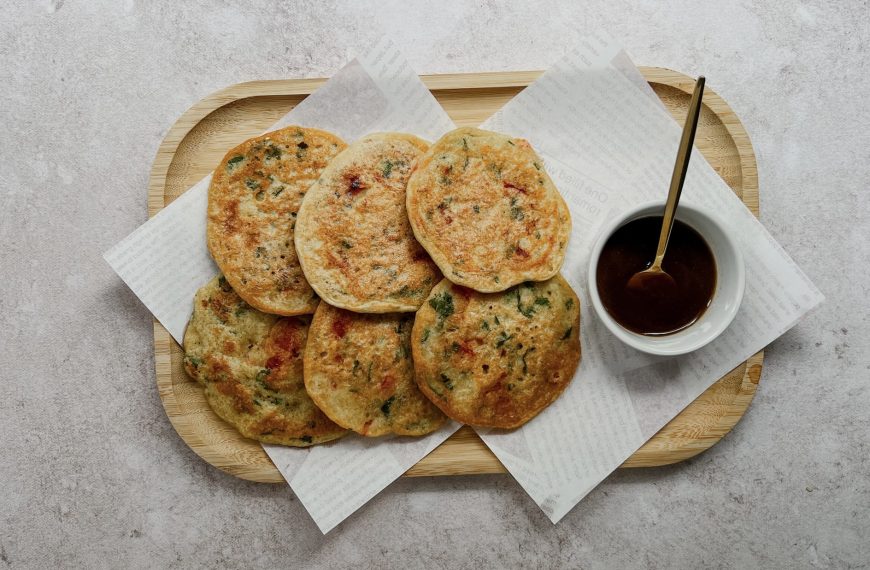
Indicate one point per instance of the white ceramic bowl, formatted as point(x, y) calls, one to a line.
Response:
point(730, 282)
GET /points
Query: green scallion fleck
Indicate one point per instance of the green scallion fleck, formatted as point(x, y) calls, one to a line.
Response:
point(387, 168)
point(262, 375)
point(273, 152)
point(447, 381)
point(388, 403)
point(442, 303)
point(234, 161)
point(525, 354)
point(503, 337)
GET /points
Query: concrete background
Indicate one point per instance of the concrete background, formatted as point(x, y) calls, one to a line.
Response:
point(93, 474)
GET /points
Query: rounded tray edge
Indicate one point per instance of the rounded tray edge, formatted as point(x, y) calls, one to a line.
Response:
point(748, 386)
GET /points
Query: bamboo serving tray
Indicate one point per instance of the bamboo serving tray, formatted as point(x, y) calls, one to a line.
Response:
point(200, 138)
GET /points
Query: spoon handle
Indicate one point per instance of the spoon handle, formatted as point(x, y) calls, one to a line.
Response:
point(680, 168)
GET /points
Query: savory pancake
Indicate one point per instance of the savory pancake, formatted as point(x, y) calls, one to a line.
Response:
point(253, 201)
point(353, 237)
point(250, 365)
point(358, 370)
point(497, 359)
point(485, 209)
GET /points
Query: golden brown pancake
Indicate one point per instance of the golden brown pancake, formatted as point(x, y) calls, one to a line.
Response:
point(485, 209)
point(250, 366)
point(353, 237)
point(358, 370)
point(497, 359)
point(253, 202)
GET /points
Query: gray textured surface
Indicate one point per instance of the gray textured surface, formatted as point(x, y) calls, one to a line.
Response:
point(92, 473)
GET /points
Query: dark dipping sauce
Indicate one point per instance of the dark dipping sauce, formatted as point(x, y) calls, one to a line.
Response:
point(657, 308)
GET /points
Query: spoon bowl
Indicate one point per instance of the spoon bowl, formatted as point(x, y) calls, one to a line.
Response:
point(653, 281)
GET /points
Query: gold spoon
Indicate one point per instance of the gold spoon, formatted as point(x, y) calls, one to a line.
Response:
point(654, 278)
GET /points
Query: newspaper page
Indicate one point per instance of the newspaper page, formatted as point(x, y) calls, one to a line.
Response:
point(166, 260)
point(608, 143)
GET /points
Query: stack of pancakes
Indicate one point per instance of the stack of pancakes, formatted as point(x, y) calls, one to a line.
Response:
point(431, 273)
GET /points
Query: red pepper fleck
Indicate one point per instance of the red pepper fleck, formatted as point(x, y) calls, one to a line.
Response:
point(355, 185)
point(338, 358)
point(388, 382)
point(288, 341)
point(517, 188)
point(465, 349)
point(274, 362)
point(521, 252)
point(442, 207)
point(339, 326)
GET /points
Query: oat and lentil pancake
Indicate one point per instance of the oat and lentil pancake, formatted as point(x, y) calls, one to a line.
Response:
point(253, 202)
point(497, 359)
point(250, 366)
point(354, 241)
point(358, 370)
point(485, 209)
